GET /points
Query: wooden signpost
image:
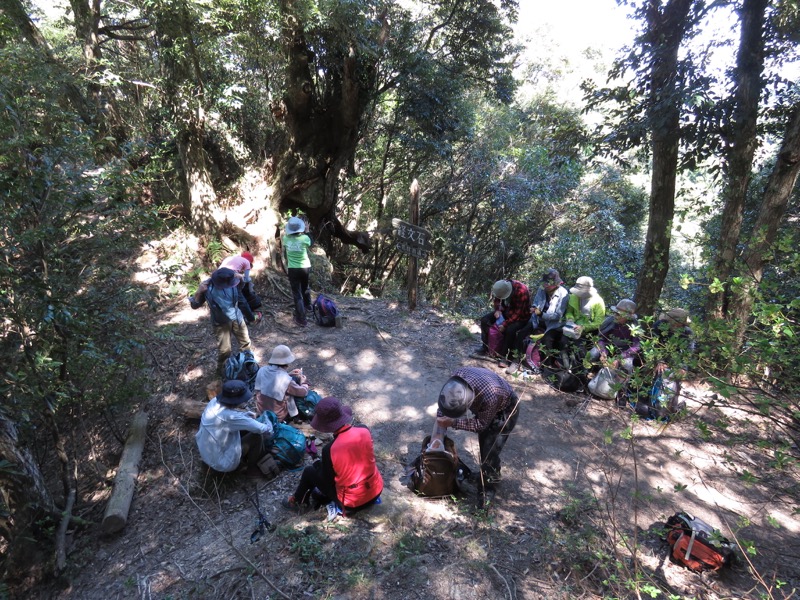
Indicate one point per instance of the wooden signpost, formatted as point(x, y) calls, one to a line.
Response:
point(413, 240)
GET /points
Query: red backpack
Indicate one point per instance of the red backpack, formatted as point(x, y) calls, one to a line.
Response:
point(697, 545)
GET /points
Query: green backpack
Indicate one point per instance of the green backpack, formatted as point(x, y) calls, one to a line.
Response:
point(288, 443)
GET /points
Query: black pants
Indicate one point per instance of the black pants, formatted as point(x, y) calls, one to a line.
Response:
point(254, 447)
point(298, 281)
point(492, 439)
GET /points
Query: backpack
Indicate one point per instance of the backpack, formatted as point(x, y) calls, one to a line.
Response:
point(242, 366)
point(434, 473)
point(288, 443)
point(218, 313)
point(307, 405)
point(697, 545)
point(325, 311)
point(563, 380)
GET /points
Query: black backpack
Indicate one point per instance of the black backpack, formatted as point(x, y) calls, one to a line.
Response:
point(563, 380)
point(434, 473)
point(325, 311)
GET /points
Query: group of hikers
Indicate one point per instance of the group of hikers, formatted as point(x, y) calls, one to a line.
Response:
point(556, 328)
point(569, 330)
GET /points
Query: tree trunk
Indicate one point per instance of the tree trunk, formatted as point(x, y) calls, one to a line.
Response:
point(743, 141)
point(16, 12)
point(25, 497)
point(773, 207)
point(665, 32)
point(322, 127)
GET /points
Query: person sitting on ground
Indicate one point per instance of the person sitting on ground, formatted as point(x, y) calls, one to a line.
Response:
point(276, 387)
point(585, 312)
point(228, 310)
point(229, 438)
point(618, 345)
point(495, 407)
point(242, 264)
point(512, 310)
point(675, 343)
point(298, 266)
point(549, 306)
point(347, 474)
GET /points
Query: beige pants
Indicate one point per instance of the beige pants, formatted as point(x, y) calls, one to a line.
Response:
point(223, 334)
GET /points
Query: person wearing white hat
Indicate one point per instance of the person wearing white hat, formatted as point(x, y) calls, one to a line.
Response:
point(276, 387)
point(583, 317)
point(298, 266)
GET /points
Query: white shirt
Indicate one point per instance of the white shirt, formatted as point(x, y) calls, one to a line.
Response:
point(218, 438)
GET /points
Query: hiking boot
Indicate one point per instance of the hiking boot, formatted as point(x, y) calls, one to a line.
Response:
point(481, 350)
point(298, 322)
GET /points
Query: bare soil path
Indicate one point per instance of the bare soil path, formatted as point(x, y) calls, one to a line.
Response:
point(576, 486)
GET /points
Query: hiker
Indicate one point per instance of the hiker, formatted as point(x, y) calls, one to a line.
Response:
point(347, 473)
point(242, 264)
point(229, 438)
point(585, 312)
point(618, 345)
point(228, 310)
point(495, 409)
point(675, 343)
point(547, 315)
point(298, 265)
point(276, 387)
point(511, 311)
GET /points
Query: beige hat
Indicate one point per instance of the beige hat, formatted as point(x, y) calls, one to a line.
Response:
point(676, 315)
point(584, 287)
point(501, 289)
point(626, 307)
point(281, 355)
point(455, 398)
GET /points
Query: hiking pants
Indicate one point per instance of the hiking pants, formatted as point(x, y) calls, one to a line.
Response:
point(254, 447)
point(492, 439)
point(298, 281)
point(223, 334)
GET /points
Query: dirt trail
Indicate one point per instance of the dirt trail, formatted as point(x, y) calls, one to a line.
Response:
point(389, 366)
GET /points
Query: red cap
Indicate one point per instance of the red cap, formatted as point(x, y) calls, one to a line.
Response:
point(248, 257)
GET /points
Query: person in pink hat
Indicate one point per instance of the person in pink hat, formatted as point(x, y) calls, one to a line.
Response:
point(347, 474)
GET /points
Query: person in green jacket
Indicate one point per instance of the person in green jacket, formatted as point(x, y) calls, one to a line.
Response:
point(298, 265)
point(585, 312)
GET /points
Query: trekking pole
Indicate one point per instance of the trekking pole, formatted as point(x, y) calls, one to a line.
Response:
point(262, 524)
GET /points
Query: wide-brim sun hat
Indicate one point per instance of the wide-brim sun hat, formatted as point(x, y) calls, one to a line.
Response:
point(223, 278)
point(295, 225)
point(281, 355)
point(676, 315)
point(625, 306)
point(330, 415)
point(501, 289)
point(455, 398)
point(584, 287)
point(234, 392)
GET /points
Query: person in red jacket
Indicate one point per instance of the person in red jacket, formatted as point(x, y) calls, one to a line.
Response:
point(347, 473)
point(511, 303)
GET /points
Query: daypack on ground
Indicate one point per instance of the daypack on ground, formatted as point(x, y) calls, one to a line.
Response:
point(288, 443)
point(607, 383)
point(697, 545)
point(307, 405)
point(495, 341)
point(242, 366)
point(434, 472)
point(662, 402)
point(325, 311)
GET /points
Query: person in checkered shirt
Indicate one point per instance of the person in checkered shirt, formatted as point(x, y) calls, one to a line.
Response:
point(495, 409)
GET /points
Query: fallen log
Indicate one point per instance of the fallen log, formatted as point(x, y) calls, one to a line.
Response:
point(119, 504)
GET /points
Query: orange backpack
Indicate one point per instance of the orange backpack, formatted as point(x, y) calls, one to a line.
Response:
point(696, 544)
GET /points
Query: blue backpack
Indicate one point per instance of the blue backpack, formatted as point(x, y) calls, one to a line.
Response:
point(242, 366)
point(325, 311)
point(288, 443)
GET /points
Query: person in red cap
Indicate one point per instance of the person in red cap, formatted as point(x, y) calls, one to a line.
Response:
point(347, 473)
